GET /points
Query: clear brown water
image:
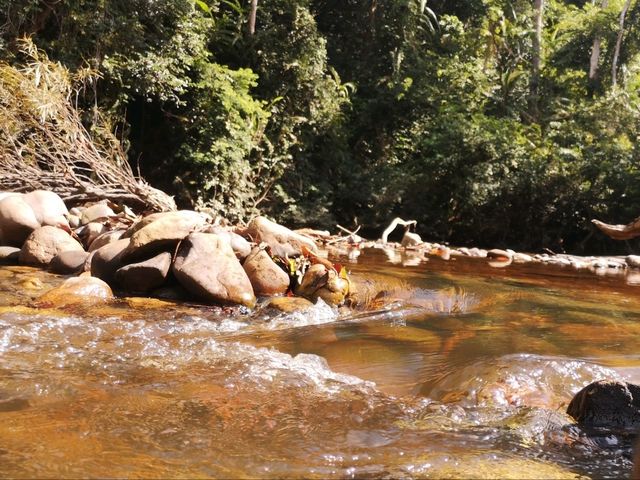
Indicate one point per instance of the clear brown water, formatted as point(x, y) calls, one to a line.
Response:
point(467, 373)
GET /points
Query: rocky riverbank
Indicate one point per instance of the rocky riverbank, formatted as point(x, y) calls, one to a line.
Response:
point(188, 255)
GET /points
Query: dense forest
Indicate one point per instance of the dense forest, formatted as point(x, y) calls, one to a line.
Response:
point(490, 122)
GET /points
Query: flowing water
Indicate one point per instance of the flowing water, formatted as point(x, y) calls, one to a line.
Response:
point(459, 370)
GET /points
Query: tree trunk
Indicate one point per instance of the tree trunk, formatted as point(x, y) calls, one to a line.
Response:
point(534, 85)
point(616, 52)
point(595, 54)
point(253, 12)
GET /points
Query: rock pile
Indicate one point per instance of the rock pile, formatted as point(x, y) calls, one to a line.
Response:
point(179, 251)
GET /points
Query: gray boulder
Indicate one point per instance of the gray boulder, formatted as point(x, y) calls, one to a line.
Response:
point(206, 266)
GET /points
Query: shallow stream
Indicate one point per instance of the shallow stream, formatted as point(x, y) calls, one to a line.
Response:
point(462, 370)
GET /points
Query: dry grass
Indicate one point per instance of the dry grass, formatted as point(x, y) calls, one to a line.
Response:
point(44, 145)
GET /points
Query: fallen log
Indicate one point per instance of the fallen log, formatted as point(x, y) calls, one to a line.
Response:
point(619, 232)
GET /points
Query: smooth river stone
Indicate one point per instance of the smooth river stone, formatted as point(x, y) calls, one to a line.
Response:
point(77, 290)
point(266, 277)
point(45, 243)
point(206, 266)
point(144, 276)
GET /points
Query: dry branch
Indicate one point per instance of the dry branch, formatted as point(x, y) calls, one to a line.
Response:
point(620, 232)
point(44, 145)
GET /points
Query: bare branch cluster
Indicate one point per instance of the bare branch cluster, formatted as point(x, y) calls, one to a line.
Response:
point(44, 145)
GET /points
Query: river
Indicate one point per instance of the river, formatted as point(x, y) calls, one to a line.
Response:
point(461, 370)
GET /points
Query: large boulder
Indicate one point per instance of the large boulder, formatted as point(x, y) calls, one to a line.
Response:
point(207, 267)
point(80, 290)
point(265, 276)
point(48, 208)
point(161, 232)
point(44, 243)
point(282, 241)
point(144, 276)
point(105, 261)
point(239, 244)
point(17, 220)
point(611, 405)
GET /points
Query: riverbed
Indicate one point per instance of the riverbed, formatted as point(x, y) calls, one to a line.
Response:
point(460, 370)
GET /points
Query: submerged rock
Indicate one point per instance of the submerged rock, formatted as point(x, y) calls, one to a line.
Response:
point(77, 290)
point(289, 304)
point(207, 267)
point(44, 243)
point(265, 276)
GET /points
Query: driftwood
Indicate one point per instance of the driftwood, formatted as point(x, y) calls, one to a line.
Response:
point(620, 232)
point(394, 223)
point(44, 145)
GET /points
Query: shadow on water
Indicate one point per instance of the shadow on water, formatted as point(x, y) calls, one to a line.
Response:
point(457, 370)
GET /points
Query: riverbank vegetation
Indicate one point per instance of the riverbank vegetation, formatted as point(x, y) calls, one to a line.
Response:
point(491, 122)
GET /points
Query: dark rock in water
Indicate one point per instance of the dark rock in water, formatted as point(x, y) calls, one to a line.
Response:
point(144, 276)
point(607, 404)
point(207, 267)
point(45, 243)
point(9, 255)
point(71, 261)
point(13, 404)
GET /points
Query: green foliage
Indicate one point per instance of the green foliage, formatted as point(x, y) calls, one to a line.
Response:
point(355, 111)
